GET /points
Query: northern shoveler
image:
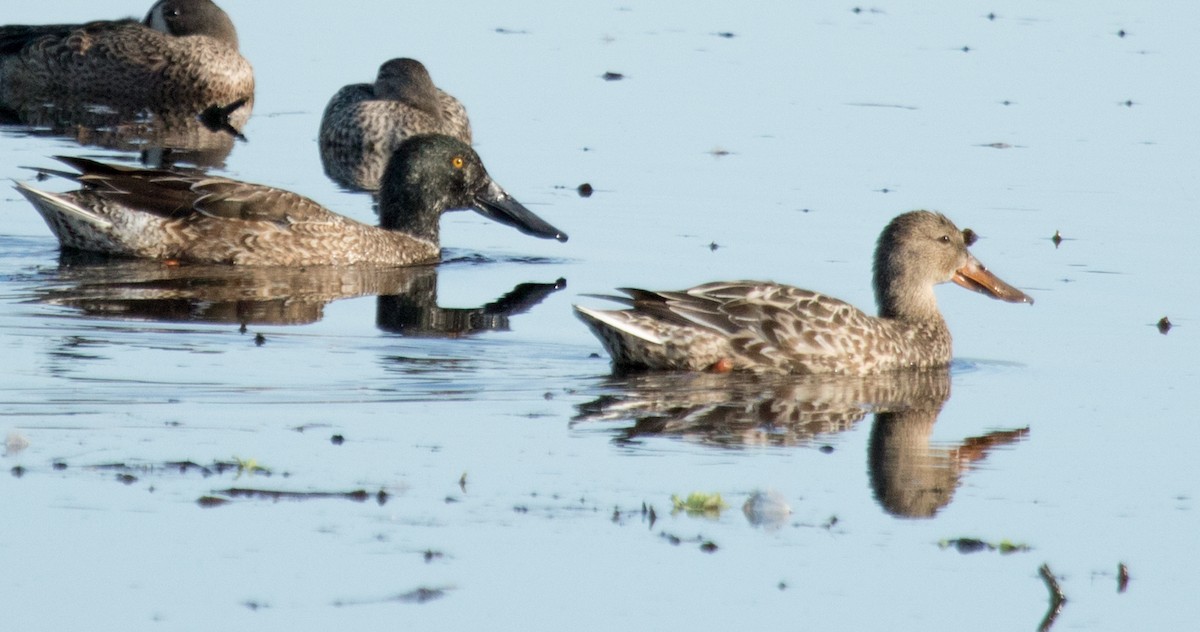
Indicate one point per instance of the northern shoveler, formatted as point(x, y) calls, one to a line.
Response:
point(768, 327)
point(161, 214)
point(182, 57)
point(365, 122)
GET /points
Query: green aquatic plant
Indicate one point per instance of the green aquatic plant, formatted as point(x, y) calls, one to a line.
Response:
point(699, 503)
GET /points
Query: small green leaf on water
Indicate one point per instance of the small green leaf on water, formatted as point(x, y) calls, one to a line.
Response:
point(699, 503)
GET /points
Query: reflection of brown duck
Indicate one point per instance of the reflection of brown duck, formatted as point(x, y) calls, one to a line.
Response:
point(182, 57)
point(735, 410)
point(162, 140)
point(149, 290)
point(910, 478)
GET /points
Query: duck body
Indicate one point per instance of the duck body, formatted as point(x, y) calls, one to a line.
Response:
point(162, 214)
point(182, 57)
point(768, 327)
point(365, 122)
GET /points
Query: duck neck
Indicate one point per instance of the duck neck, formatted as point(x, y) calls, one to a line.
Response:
point(411, 209)
point(898, 300)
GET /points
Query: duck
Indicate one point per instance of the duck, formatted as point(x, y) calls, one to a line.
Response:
point(198, 218)
point(364, 122)
point(183, 57)
point(767, 327)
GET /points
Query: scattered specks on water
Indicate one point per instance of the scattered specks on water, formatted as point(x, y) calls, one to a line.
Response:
point(1127, 103)
point(594, 356)
point(725, 34)
point(1164, 325)
point(431, 555)
point(883, 190)
point(1008, 102)
point(782, 585)
point(126, 478)
point(1057, 238)
point(17, 471)
point(381, 498)
point(503, 31)
point(260, 340)
point(965, 49)
point(612, 76)
point(1121, 33)
point(1122, 577)
point(718, 152)
point(712, 246)
point(708, 546)
point(997, 145)
point(59, 465)
point(211, 501)
point(991, 16)
point(826, 449)
point(337, 439)
point(242, 328)
point(462, 482)
point(585, 190)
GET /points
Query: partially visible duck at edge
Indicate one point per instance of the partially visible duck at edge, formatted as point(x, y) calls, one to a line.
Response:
point(160, 214)
point(365, 122)
point(768, 327)
point(183, 57)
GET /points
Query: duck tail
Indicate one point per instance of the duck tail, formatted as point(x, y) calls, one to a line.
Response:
point(54, 204)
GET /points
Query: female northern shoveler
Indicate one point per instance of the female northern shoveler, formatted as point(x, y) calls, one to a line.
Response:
point(182, 57)
point(364, 123)
point(159, 214)
point(767, 327)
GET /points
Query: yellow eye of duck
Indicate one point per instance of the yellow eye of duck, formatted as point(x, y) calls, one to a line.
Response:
point(457, 162)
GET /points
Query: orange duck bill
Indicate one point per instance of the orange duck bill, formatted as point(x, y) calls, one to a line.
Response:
point(974, 276)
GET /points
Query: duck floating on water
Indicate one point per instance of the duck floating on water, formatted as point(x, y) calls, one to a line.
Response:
point(161, 214)
point(769, 327)
point(365, 122)
point(183, 57)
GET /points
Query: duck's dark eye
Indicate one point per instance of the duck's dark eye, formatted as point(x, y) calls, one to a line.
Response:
point(945, 239)
point(456, 162)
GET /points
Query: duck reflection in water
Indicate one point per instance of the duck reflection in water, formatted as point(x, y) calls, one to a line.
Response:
point(910, 476)
point(135, 289)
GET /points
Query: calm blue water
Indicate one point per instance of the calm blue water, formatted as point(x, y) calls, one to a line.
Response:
point(789, 145)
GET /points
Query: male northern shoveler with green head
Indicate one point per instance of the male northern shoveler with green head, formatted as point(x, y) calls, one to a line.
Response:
point(183, 57)
point(768, 327)
point(160, 214)
point(365, 122)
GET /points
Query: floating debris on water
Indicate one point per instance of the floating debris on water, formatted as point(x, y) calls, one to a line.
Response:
point(767, 509)
point(1164, 325)
point(1057, 238)
point(975, 545)
point(970, 237)
point(585, 190)
point(612, 76)
point(259, 339)
point(14, 442)
point(699, 503)
point(337, 439)
point(725, 34)
point(1122, 577)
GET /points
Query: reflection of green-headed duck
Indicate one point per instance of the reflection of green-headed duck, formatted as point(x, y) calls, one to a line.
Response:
point(182, 57)
point(161, 214)
point(762, 326)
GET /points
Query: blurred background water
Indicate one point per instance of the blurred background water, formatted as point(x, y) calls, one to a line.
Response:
point(742, 141)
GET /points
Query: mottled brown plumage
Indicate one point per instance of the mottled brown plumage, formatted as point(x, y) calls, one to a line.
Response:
point(161, 214)
point(182, 57)
point(364, 122)
point(769, 327)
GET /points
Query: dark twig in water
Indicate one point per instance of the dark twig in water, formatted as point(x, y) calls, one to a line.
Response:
point(1122, 577)
point(1164, 325)
point(1057, 598)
